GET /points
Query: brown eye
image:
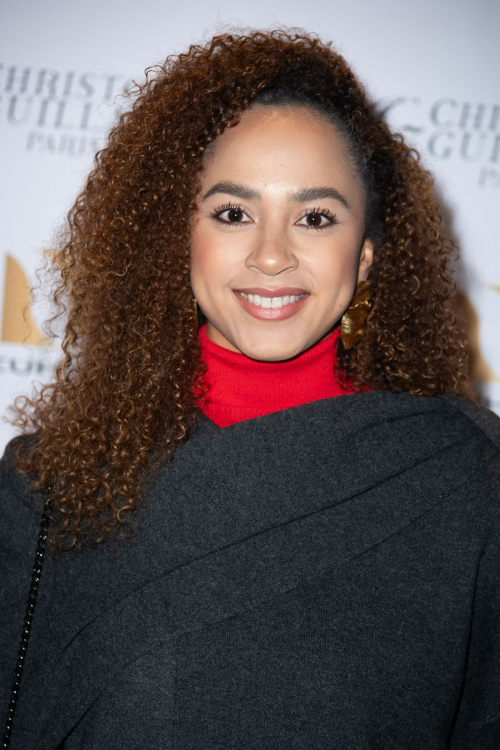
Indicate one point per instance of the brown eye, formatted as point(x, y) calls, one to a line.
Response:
point(230, 215)
point(317, 219)
point(234, 215)
point(314, 220)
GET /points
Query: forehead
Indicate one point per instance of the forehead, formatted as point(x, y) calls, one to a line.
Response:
point(289, 143)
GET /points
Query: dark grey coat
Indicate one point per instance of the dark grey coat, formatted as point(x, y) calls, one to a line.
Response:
point(327, 576)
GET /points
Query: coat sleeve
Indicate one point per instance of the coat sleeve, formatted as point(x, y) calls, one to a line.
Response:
point(477, 724)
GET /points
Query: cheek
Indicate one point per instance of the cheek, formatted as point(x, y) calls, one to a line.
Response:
point(336, 269)
point(202, 255)
point(198, 245)
point(210, 263)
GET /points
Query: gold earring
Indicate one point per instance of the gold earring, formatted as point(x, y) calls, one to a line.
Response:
point(195, 310)
point(353, 321)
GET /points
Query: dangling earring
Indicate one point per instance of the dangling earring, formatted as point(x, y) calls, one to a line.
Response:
point(353, 321)
point(195, 310)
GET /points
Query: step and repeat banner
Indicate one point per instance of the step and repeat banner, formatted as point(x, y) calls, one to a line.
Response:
point(433, 68)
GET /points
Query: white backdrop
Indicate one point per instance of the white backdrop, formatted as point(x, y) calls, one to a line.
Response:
point(433, 64)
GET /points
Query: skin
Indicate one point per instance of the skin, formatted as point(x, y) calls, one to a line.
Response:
point(267, 240)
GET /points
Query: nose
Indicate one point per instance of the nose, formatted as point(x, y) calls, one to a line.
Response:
point(271, 253)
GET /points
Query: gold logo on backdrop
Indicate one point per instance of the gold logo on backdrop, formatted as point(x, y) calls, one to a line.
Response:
point(18, 324)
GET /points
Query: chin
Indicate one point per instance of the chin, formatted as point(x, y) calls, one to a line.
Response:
point(272, 353)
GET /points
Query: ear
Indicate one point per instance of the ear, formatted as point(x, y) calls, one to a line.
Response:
point(365, 260)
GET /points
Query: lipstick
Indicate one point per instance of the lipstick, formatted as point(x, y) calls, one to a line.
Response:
point(272, 304)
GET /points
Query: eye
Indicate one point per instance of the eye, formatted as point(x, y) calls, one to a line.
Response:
point(317, 218)
point(230, 214)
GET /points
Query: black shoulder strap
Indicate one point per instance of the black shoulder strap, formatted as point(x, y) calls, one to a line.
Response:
point(28, 620)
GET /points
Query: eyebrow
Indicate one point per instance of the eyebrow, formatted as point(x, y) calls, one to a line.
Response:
point(298, 196)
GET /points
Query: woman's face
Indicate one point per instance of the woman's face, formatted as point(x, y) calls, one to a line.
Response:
point(277, 243)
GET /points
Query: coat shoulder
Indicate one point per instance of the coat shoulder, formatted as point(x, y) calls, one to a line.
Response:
point(20, 506)
point(10, 477)
point(480, 416)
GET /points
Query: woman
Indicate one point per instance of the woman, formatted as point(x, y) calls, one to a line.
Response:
point(264, 391)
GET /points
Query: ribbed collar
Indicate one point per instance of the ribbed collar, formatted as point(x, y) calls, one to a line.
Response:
point(243, 388)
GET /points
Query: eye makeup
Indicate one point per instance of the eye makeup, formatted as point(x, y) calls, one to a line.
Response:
point(238, 213)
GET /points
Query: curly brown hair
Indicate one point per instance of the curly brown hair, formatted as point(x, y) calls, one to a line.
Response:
point(123, 391)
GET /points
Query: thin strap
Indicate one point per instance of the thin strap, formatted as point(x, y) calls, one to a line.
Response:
point(28, 620)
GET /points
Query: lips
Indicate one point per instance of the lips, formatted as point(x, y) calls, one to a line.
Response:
point(272, 304)
point(281, 291)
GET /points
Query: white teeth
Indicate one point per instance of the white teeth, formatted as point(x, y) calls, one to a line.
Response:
point(271, 302)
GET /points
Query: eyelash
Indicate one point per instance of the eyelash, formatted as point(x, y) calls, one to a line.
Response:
point(320, 212)
point(215, 214)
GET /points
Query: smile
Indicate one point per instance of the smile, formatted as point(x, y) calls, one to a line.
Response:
point(271, 302)
point(275, 305)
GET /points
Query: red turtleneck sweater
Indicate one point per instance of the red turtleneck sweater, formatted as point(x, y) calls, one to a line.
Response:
point(243, 388)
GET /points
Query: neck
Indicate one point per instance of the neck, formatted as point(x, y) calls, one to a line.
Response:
point(242, 388)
